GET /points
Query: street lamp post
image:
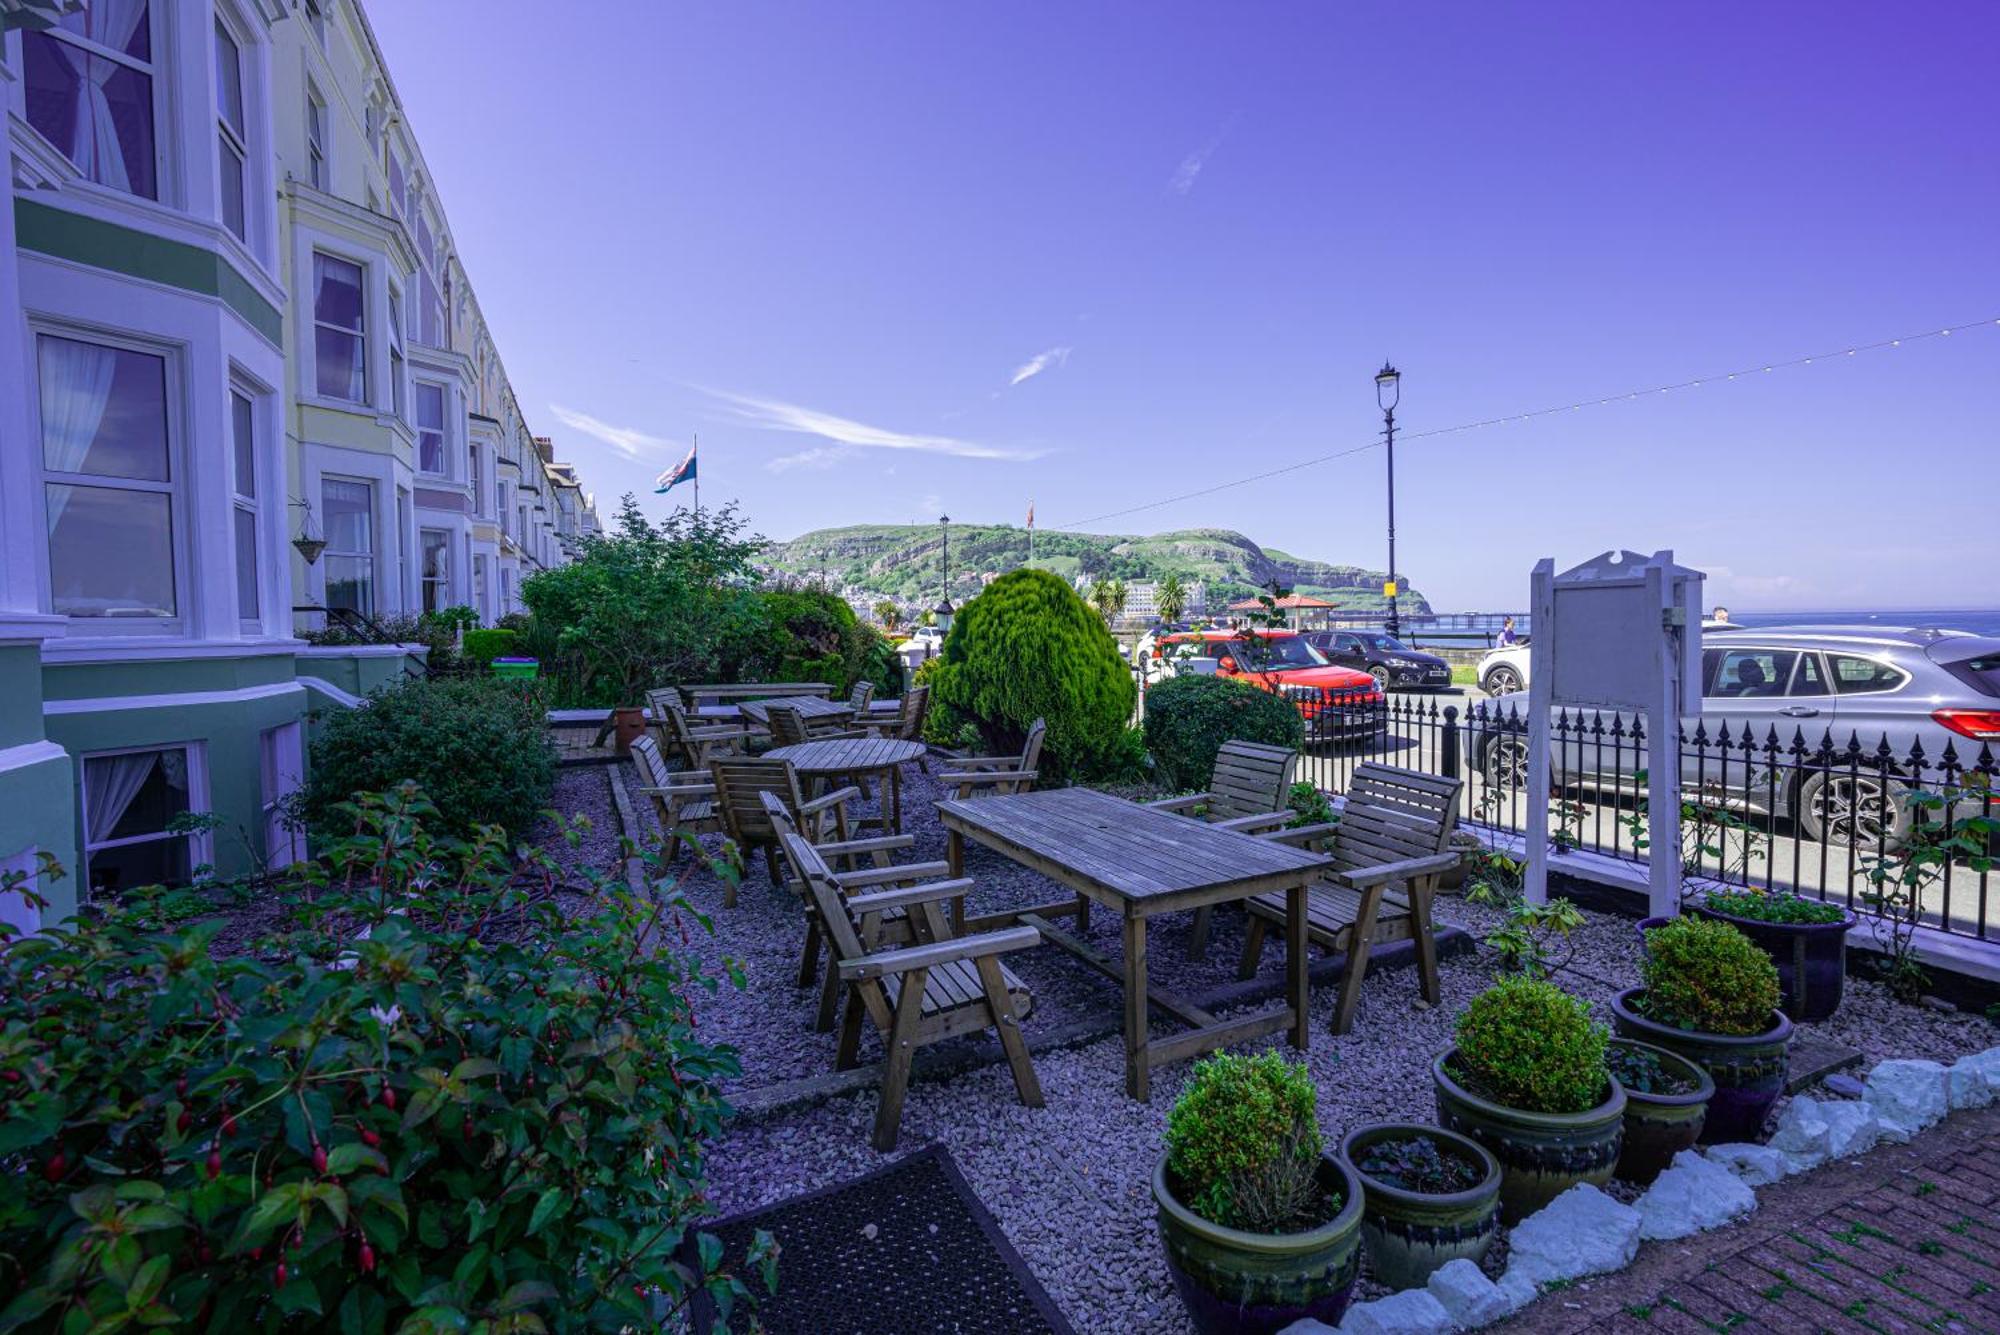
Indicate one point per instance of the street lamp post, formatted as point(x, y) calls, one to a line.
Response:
point(1388, 391)
point(944, 608)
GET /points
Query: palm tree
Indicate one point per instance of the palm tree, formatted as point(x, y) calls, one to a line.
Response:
point(888, 614)
point(1103, 598)
point(1117, 597)
point(1170, 597)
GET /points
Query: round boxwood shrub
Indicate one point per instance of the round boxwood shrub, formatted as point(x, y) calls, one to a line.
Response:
point(1188, 719)
point(1704, 975)
point(483, 646)
point(479, 748)
point(1027, 648)
point(1528, 1044)
point(1243, 1143)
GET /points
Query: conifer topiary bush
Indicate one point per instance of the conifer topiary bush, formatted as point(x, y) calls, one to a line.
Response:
point(1027, 648)
point(1189, 718)
point(1707, 976)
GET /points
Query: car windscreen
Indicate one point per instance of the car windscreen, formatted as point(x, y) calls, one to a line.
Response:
point(1269, 653)
point(1981, 672)
point(1387, 644)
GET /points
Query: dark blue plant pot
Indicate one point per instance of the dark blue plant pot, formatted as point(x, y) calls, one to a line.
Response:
point(1748, 1070)
point(1811, 960)
point(1648, 924)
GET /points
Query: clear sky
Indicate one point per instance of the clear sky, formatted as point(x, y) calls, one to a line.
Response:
point(897, 259)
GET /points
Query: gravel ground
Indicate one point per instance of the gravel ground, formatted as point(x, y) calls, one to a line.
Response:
point(1070, 1183)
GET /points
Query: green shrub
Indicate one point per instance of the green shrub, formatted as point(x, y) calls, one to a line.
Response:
point(479, 748)
point(1528, 1044)
point(483, 646)
point(1707, 976)
point(1188, 718)
point(1026, 648)
point(461, 1128)
point(1243, 1143)
point(1775, 906)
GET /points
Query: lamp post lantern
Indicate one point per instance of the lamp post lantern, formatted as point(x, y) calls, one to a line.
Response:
point(1388, 391)
point(944, 608)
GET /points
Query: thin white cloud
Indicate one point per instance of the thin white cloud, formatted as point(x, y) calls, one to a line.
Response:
point(628, 441)
point(1190, 169)
point(777, 415)
point(1040, 362)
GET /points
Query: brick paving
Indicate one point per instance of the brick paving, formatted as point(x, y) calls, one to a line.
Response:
point(1904, 1239)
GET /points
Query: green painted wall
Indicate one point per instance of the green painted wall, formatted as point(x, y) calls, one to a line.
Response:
point(20, 694)
point(37, 802)
point(129, 677)
point(357, 675)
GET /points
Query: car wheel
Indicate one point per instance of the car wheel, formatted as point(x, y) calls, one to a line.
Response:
point(1381, 676)
point(1502, 680)
point(1505, 767)
point(1858, 809)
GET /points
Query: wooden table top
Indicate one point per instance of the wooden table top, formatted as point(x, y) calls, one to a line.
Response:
point(809, 706)
point(1130, 852)
point(847, 755)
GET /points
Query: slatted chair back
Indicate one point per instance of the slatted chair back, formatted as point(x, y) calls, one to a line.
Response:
point(652, 766)
point(843, 936)
point(671, 716)
point(861, 697)
point(739, 784)
point(908, 725)
point(1031, 749)
point(1250, 779)
point(1392, 814)
point(788, 726)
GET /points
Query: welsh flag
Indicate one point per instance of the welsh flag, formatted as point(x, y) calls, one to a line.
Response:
point(679, 473)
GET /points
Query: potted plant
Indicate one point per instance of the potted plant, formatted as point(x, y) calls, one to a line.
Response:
point(1805, 938)
point(1526, 1079)
point(1261, 1226)
point(1666, 1102)
point(1429, 1196)
point(1711, 996)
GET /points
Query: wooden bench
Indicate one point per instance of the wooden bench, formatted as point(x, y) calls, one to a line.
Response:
point(733, 691)
point(936, 988)
point(1394, 829)
point(1247, 792)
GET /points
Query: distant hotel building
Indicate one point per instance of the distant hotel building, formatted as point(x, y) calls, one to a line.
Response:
point(231, 317)
point(1140, 604)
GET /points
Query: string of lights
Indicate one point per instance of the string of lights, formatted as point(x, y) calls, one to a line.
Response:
point(1721, 377)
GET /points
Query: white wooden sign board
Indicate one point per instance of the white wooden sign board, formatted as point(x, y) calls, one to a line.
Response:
point(1620, 631)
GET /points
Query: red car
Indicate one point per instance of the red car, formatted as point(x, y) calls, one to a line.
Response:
point(1339, 704)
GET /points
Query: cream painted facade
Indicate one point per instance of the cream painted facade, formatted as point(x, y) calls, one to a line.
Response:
point(231, 316)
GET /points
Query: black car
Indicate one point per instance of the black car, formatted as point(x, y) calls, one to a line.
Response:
point(1392, 663)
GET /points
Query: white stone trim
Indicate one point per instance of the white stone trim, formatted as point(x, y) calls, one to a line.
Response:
point(30, 753)
point(365, 651)
point(31, 627)
point(332, 692)
point(106, 704)
point(143, 651)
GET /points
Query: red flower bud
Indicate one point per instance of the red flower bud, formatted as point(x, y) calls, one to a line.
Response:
point(256, 1253)
point(184, 1121)
point(466, 1128)
point(207, 1254)
point(370, 1138)
point(214, 1164)
point(56, 1166)
point(367, 1259)
point(228, 1124)
point(319, 1158)
point(282, 1272)
point(181, 1087)
point(388, 1098)
point(11, 1076)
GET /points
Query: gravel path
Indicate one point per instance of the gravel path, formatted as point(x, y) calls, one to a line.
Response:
point(1070, 1183)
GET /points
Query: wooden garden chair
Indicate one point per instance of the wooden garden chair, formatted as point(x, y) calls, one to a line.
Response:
point(696, 743)
point(681, 801)
point(861, 697)
point(1395, 830)
point(908, 723)
point(938, 987)
point(846, 859)
point(1247, 793)
point(999, 774)
point(739, 785)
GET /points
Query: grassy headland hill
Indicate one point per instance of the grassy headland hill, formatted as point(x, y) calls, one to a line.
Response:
point(900, 561)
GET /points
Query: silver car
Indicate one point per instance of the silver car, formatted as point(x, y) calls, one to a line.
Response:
point(1920, 691)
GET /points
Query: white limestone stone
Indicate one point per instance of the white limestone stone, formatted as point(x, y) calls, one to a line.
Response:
point(1851, 1128)
point(1581, 1232)
point(1518, 1289)
point(1692, 1196)
point(1906, 1096)
point(1471, 1299)
point(1803, 1134)
point(1758, 1165)
point(1306, 1325)
point(1974, 1082)
point(1411, 1312)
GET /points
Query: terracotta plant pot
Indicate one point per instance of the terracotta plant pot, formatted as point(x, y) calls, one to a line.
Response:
point(1541, 1155)
point(1409, 1234)
point(1748, 1070)
point(1659, 1126)
point(627, 726)
point(1811, 959)
point(1238, 1283)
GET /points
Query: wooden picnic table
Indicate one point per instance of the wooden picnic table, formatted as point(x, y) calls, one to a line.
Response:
point(858, 756)
point(724, 692)
point(1141, 863)
point(811, 708)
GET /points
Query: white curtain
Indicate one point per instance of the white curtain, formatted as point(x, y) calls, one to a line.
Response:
point(111, 782)
point(96, 150)
point(76, 390)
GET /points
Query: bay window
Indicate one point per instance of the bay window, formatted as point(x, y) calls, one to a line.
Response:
point(435, 546)
point(430, 429)
point(89, 83)
point(108, 484)
point(316, 139)
point(243, 440)
point(396, 354)
point(340, 345)
point(130, 799)
point(231, 136)
point(478, 488)
point(348, 507)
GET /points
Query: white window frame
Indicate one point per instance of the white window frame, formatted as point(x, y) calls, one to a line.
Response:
point(163, 122)
point(398, 365)
point(315, 12)
point(441, 582)
point(178, 530)
point(234, 139)
point(319, 167)
point(281, 769)
point(201, 844)
point(317, 253)
point(373, 556)
point(475, 477)
point(244, 501)
point(418, 386)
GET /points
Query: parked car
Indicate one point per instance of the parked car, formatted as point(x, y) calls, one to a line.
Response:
point(1393, 664)
point(1814, 685)
point(1339, 704)
point(1504, 670)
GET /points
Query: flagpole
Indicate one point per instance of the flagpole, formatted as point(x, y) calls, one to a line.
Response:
point(694, 447)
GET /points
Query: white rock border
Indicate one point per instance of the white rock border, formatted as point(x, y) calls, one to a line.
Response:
point(1585, 1232)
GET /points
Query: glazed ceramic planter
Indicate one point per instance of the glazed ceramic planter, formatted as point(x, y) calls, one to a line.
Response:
point(1238, 1283)
point(628, 725)
point(1749, 1070)
point(1541, 1155)
point(1811, 959)
point(1659, 1126)
point(1409, 1234)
